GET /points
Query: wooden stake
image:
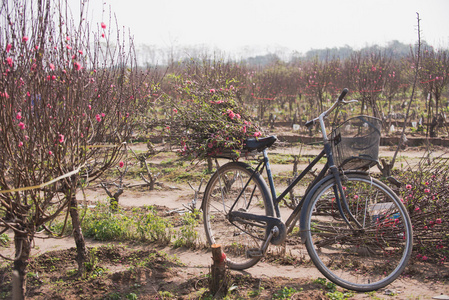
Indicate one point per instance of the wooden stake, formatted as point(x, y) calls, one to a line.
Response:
point(218, 280)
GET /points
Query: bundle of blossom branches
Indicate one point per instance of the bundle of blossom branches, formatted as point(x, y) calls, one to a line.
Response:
point(208, 121)
point(425, 195)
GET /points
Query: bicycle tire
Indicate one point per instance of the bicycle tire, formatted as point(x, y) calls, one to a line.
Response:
point(367, 257)
point(221, 192)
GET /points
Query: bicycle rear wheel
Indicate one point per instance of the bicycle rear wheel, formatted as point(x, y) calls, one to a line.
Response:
point(371, 254)
point(232, 184)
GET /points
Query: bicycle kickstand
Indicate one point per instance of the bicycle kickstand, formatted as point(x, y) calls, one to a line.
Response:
point(261, 252)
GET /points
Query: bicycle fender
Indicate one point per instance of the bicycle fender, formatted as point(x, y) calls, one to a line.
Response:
point(302, 219)
point(209, 182)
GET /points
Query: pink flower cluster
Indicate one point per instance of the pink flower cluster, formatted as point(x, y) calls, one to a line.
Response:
point(216, 102)
point(232, 115)
point(423, 257)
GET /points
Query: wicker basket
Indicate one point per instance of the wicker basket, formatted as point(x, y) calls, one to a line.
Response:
point(355, 143)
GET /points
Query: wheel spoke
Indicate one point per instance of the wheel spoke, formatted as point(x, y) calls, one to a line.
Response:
point(360, 258)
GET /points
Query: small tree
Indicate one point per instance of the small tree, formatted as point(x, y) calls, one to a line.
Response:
point(434, 80)
point(68, 99)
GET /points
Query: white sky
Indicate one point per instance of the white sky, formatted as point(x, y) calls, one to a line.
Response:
point(298, 25)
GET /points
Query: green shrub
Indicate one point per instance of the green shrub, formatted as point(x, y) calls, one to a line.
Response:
point(187, 236)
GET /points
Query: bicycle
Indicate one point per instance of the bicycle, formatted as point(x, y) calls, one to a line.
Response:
point(355, 228)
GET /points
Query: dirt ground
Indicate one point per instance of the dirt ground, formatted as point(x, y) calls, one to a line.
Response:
point(160, 276)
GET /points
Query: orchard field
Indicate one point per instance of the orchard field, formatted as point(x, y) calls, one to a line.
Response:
point(81, 123)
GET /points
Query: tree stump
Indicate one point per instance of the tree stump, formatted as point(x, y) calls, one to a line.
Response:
point(218, 284)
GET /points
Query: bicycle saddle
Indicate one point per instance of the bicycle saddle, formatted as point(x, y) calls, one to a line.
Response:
point(259, 144)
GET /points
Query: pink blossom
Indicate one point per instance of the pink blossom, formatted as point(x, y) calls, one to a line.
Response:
point(89, 106)
point(25, 39)
point(52, 66)
point(19, 115)
point(244, 129)
point(69, 47)
point(9, 61)
point(26, 138)
point(438, 221)
point(210, 145)
point(80, 52)
point(175, 110)
point(102, 35)
point(103, 114)
point(98, 118)
point(237, 116)
point(417, 209)
point(53, 77)
point(257, 133)
point(103, 25)
point(50, 153)
point(121, 164)
point(77, 66)
point(21, 125)
point(408, 186)
point(426, 191)
point(8, 47)
point(61, 138)
point(212, 90)
point(356, 196)
point(20, 144)
point(425, 227)
point(424, 257)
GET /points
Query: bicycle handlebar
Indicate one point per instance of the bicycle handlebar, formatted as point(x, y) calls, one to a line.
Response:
point(336, 103)
point(343, 94)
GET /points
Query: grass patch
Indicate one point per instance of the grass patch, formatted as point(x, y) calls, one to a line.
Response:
point(137, 224)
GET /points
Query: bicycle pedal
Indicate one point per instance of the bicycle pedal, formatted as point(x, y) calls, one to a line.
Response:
point(254, 253)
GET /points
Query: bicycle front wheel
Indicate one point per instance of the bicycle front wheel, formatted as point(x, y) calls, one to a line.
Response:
point(365, 255)
point(235, 185)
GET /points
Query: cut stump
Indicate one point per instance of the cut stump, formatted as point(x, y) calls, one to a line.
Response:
point(218, 280)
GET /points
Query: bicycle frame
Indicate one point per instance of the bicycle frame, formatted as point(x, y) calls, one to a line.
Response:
point(326, 152)
point(276, 200)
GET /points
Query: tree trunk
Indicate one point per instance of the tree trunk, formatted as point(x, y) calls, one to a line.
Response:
point(210, 165)
point(80, 243)
point(22, 244)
